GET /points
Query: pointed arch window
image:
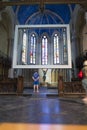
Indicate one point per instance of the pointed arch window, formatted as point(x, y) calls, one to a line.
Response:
point(33, 48)
point(24, 47)
point(65, 56)
point(56, 48)
point(44, 46)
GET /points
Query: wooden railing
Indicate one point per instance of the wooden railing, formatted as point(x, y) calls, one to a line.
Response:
point(8, 85)
point(73, 87)
point(70, 88)
point(11, 86)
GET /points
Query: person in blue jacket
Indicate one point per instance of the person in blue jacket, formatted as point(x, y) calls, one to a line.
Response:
point(35, 78)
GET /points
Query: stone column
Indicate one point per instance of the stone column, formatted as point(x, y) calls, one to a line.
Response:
point(86, 17)
point(60, 84)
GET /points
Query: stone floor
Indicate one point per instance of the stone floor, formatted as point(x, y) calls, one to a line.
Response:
point(39, 108)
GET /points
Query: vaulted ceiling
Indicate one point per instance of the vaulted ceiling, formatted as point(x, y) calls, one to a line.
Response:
point(43, 11)
point(46, 14)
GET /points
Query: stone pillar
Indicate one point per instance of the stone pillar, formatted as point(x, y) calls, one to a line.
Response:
point(86, 17)
point(0, 16)
point(60, 84)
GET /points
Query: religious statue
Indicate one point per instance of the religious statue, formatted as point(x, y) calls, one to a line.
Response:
point(44, 74)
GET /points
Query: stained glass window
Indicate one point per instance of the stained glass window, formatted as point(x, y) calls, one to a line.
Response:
point(64, 46)
point(33, 49)
point(44, 50)
point(42, 46)
point(56, 48)
point(24, 52)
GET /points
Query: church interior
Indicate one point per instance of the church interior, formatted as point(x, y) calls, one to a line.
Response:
point(48, 37)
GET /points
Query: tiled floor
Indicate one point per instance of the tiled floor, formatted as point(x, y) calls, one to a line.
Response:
point(41, 112)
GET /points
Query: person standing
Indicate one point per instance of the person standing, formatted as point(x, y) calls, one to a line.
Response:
point(35, 78)
point(84, 80)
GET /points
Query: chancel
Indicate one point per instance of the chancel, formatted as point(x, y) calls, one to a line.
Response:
point(48, 37)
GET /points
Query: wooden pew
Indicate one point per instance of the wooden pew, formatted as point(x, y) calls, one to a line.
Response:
point(8, 86)
point(73, 88)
